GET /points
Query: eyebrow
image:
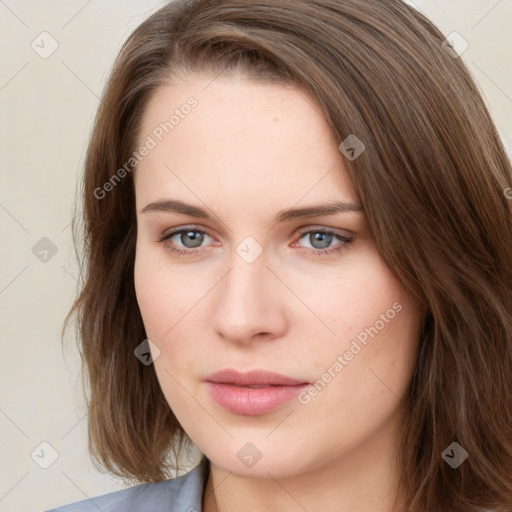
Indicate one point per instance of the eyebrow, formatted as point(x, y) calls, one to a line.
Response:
point(175, 206)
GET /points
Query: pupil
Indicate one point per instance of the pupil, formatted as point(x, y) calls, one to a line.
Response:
point(324, 239)
point(196, 237)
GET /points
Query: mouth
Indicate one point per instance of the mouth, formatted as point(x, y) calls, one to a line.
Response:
point(256, 386)
point(252, 393)
point(253, 379)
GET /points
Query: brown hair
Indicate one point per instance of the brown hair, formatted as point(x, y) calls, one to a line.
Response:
point(431, 181)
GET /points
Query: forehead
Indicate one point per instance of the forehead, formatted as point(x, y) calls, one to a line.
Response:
point(240, 137)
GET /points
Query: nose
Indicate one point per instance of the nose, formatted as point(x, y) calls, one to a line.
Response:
point(248, 304)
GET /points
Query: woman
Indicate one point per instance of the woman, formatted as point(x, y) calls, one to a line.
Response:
point(298, 260)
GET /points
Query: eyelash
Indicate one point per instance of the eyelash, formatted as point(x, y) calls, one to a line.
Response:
point(344, 242)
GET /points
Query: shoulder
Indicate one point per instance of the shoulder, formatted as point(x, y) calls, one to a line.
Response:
point(182, 494)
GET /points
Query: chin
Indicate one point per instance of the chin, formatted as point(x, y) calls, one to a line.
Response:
point(273, 463)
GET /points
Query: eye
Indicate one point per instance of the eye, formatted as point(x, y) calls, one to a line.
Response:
point(321, 241)
point(188, 241)
point(185, 241)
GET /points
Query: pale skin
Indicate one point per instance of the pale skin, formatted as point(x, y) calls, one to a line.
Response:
point(247, 152)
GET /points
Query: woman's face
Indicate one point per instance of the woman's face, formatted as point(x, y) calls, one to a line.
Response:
point(255, 279)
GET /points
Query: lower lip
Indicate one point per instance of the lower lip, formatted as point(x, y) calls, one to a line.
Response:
point(252, 401)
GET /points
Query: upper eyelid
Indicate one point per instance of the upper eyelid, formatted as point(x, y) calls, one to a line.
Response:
point(335, 231)
point(300, 231)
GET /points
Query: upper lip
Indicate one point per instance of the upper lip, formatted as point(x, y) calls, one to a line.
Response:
point(252, 378)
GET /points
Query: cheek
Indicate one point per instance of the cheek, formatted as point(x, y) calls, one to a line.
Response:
point(148, 290)
point(163, 297)
point(369, 361)
point(172, 308)
point(352, 297)
point(164, 300)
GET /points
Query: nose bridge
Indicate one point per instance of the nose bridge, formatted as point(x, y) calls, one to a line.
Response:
point(246, 303)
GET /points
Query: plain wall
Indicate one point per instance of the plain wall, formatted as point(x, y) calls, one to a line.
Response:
point(47, 107)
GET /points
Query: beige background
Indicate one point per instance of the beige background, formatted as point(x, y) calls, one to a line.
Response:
point(47, 107)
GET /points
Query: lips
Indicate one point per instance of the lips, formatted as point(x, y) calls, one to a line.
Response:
point(254, 379)
point(252, 393)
